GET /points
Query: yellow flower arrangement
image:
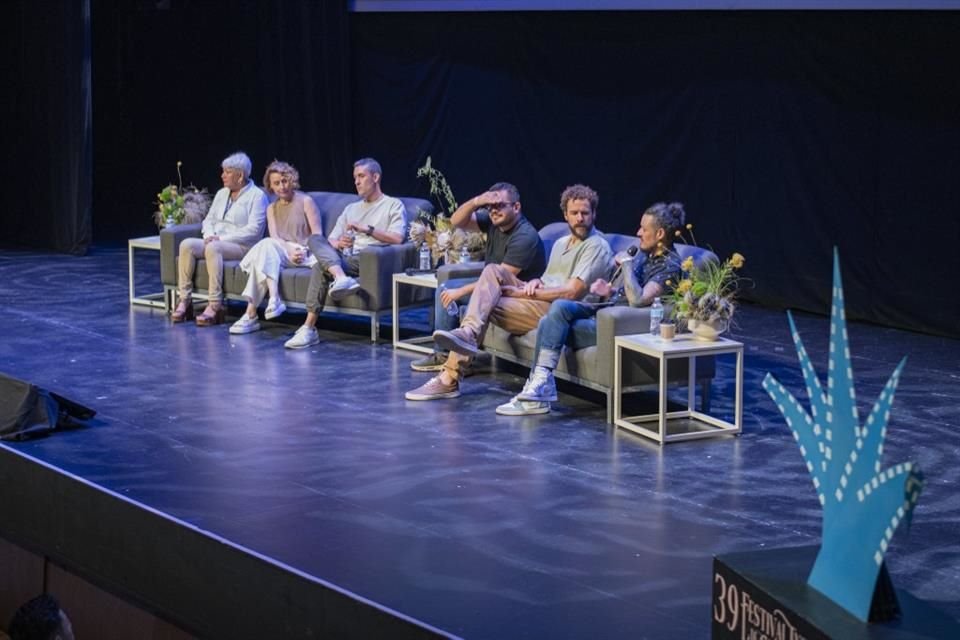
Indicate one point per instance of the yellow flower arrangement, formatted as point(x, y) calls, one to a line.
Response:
point(706, 293)
point(445, 241)
point(176, 205)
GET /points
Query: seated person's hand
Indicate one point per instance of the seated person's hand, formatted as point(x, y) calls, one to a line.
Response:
point(450, 295)
point(601, 287)
point(344, 241)
point(533, 285)
point(296, 253)
point(210, 239)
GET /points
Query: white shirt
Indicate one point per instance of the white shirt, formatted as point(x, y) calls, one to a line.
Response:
point(241, 221)
point(384, 214)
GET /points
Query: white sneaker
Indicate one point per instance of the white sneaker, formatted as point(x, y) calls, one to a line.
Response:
point(303, 338)
point(518, 407)
point(342, 287)
point(540, 386)
point(274, 309)
point(245, 324)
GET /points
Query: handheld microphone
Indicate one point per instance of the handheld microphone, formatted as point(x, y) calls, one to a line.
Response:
point(632, 251)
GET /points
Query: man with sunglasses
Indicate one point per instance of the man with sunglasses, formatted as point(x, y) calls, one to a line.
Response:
point(512, 242)
point(517, 305)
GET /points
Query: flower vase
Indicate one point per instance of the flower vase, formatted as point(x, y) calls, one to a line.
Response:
point(707, 330)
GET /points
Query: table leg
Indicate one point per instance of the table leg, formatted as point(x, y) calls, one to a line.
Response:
point(738, 404)
point(617, 383)
point(130, 276)
point(663, 399)
point(395, 314)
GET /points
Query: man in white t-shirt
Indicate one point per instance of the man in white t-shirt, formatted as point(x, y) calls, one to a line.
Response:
point(376, 219)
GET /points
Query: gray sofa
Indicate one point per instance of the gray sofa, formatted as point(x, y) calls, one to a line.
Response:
point(377, 266)
point(592, 367)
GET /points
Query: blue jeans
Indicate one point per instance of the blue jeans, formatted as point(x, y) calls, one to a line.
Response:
point(443, 321)
point(568, 323)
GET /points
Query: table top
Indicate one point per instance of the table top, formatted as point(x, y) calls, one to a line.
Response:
point(683, 343)
point(146, 242)
point(421, 279)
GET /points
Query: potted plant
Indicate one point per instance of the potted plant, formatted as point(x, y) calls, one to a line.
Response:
point(176, 205)
point(446, 243)
point(705, 297)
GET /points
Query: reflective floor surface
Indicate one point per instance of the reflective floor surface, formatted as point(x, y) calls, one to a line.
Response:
point(485, 526)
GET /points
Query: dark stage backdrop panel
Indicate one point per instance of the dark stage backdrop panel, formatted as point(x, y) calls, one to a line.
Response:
point(195, 80)
point(785, 133)
point(47, 125)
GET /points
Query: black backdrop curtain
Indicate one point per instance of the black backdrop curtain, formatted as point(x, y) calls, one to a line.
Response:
point(785, 133)
point(193, 81)
point(47, 133)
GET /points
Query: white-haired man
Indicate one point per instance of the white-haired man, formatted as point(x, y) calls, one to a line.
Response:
point(233, 224)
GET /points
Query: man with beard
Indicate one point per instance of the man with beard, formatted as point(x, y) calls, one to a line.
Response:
point(512, 242)
point(576, 260)
point(573, 323)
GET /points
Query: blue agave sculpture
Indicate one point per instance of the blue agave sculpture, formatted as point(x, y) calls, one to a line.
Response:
point(862, 502)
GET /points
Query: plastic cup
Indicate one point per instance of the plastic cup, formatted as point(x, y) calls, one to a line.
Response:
point(668, 330)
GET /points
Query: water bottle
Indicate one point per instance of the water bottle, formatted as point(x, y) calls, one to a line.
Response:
point(452, 309)
point(464, 254)
point(170, 222)
point(425, 260)
point(656, 315)
point(352, 249)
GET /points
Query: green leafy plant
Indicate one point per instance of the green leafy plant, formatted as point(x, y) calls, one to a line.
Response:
point(706, 293)
point(176, 205)
point(436, 230)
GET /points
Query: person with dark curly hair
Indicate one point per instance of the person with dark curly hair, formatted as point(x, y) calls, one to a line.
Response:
point(516, 305)
point(40, 619)
point(574, 324)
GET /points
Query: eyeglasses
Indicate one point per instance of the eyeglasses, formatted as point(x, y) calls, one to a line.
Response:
point(496, 206)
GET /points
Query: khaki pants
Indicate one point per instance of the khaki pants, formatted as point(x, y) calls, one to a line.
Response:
point(487, 304)
point(191, 250)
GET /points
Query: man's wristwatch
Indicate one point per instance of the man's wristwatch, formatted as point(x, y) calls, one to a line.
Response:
point(370, 229)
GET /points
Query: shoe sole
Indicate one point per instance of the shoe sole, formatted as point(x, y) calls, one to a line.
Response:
point(339, 294)
point(523, 412)
point(552, 398)
point(301, 346)
point(449, 342)
point(426, 368)
point(244, 331)
point(276, 313)
point(410, 395)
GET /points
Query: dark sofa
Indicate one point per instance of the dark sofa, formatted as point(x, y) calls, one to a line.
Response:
point(377, 266)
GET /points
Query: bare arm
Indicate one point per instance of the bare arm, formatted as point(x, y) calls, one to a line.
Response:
point(464, 218)
point(572, 289)
point(313, 216)
point(271, 222)
point(637, 295)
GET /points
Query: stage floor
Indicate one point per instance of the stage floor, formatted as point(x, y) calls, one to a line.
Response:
point(481, 525)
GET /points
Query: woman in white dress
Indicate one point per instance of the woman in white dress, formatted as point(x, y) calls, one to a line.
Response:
point(291, 220)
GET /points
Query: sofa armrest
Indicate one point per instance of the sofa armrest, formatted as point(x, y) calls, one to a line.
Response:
point(617, 321)
point(170, 239)
point(377, 266)
point(457, 270)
